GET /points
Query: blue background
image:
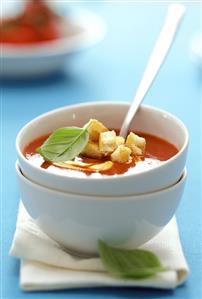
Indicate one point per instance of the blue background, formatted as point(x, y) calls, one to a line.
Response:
point(111, 70)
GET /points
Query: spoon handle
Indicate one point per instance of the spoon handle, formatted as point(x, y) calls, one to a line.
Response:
point(167, 34)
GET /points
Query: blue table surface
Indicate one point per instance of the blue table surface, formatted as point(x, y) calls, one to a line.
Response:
point(111, 70)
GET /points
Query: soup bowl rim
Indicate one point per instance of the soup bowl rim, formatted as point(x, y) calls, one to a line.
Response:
point(100, 197)
point(106, 178)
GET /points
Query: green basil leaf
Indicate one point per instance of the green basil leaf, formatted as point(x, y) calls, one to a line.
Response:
point(129, 264)
point(64, 144)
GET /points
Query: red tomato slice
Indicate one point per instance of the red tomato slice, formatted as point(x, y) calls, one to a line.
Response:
point(37, 23)
point(19, 35)
point(37, 12)
point(50, 31)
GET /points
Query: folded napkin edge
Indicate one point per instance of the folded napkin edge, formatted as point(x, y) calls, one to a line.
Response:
point(85, 279)
point(18, 246)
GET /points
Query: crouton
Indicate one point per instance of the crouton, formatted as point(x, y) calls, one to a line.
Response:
point(107, 142)
point(92, 150)
point(119, 140)
point(121, 154)
point(94, 129)
point(136, 144)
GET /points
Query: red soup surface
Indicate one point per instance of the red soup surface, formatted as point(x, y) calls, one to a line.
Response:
point(157, 151)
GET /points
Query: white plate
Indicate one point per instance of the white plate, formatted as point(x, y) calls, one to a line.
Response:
point(85, 29)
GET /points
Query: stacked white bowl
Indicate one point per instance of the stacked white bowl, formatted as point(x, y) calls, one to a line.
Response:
point(125, 210)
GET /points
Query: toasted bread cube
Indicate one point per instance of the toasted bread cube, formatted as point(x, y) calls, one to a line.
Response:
point(92, 150)
point(95, 128)
point(119, 140)
point(136, 144)
point(107, 142)
point(121, 154)
point(136, 150)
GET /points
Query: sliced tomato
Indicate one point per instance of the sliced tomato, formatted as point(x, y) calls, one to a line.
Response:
point(19, 35)
point(50, 31)
point(37, 13)
point(37, 23)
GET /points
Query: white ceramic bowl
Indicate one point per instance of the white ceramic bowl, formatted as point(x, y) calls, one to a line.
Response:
point(148, 119)
point(78, 221)
point(82, 29)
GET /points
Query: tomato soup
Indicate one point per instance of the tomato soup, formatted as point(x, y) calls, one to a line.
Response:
point(157, 151)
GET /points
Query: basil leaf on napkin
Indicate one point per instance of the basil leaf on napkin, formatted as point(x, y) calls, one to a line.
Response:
point(64, 144)
point(129, 264)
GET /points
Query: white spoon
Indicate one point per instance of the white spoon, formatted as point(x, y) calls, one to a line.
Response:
point(164, 42)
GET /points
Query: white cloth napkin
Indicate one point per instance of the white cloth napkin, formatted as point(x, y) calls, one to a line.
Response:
point(47, 266)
